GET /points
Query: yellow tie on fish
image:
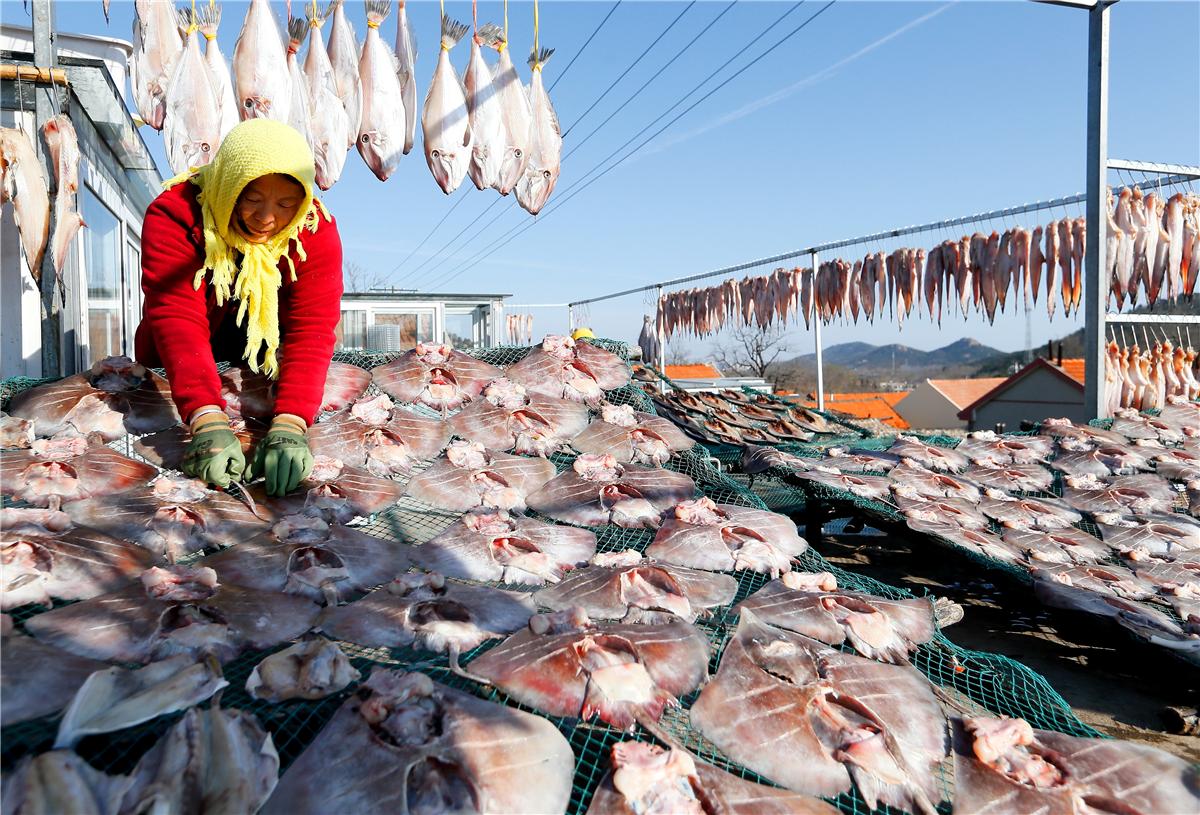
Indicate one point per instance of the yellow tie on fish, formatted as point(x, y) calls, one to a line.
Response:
point(253, 149)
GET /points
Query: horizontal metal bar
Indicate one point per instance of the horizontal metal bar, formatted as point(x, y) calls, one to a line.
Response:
point(1154, 167)
point(1084, 4)
point(1154, 319)
point(536, 305)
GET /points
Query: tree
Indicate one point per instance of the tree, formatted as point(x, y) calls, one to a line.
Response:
point(750, 350)
point(356, 278)
point(676, 354)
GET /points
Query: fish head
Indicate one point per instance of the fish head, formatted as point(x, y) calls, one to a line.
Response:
point(256, 106)
point(197, 152)
point(301, 528)
point(535, 186)
point(513, 163)
point(448, 166)
point(192, 628)
point(315, 571)
point(381, 151)
point(653, 588)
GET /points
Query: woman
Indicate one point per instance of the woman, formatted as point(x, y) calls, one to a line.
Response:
point(239, 260)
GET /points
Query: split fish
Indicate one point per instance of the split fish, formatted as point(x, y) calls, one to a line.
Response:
point(61, 781)
point(1177, 464)
point(251, 394)
point(1134, 425)
point(496, 546)
point(308, 670)
point(566, 369)
point(338, 493)
point(508, 419)
point(382, 128)
point(1139, 494)
point(545, 141)
point(988, 449)
point(63, 144)
point(260, 73)
point(516, 115)
point(757, 459)
point(344, 55)
point(407, 743)
point(1067, 586)
point(330, 122)
point(648, 778)
point(54, 471)
point(1027, 513)
point(469, 476)
point(373, 436)
point(627, 587)
point(114, 397)
point(1162, 535)
point(156, 47)
point(435, 375)
point(445, 124)
point(484, 114)
point(939, 459)
point(166, 448)
point(721, 537)
point(1076, 438)
point(978, 541)
point(192, 121)
point(1104, 460)
point(958, 511)
point(855, 462)
point(628, 436)
point(426, 612)
point(817, 721)
point(1011, 477)
point(913, 481)
point(878, 628)
point(566, 665)
point(1067, 546)
point(873, 487)
point(1179, 580)
point(37, 680)
point(597, 491)
point(15, 433)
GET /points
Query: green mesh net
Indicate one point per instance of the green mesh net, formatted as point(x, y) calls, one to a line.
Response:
point(967, 681)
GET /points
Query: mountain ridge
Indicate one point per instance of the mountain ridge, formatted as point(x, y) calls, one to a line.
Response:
point(866, 356)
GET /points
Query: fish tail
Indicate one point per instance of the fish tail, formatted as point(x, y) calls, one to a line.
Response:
point(209, 20)
point(187, 20)
point(488, 33)
point(539, 58)
point(452, 32)
point(377, 12)
point(297, 27)
point(315, 17)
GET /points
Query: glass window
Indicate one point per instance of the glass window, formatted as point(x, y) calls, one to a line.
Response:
point(352, 331)
point(400, 331)
point(461, 331)
point(102, 271)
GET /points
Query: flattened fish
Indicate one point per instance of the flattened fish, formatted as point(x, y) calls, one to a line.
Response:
point(329, 569)
point(213, 760)
point(874, 487)
point(757, 459)
point(978, 541)
point(1104, 460)
point(1177, 464)
point(114, 397)
point(815, 720)
point(470, 477)
point(878, 628)
point(1166, 535)
point(405, 743)
point(630, 436)
point(373, 436)
point(132, 625)
point(426, 612)
point(647, 778)
point(15, 434)
point(915, 481)
point(435, 375)
point(339, 493)
point(958, 511)
point(855, 461)
point(1004, 765)
point(508, 419)
point(989, 449)
point(724, 537)
point(563, 368)
point(37, 680)
point(1066, 586)
point(172, 518)
point(570, 666)
point(938, 459)
point(597, 491)
point(1011, 477)
point(633, 589)
point(250, 394)
point(58, 470)
point(61, 781)
point(1027, 513)
point(497, 546)
point(1069, 546)
point(166, 448)
point(1139, 494)
point(1076, 438)
point(307, 670)
point(72, 565)
point(116, 698)
point(1134, 425)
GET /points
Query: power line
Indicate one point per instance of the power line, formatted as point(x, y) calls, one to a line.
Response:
point(573, 192)
point(583, 48)
point(424, 240)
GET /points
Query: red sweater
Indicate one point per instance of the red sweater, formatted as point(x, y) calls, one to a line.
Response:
point(178, 320)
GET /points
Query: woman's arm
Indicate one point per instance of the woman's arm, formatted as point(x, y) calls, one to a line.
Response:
point(309, 310)
point(175, 329)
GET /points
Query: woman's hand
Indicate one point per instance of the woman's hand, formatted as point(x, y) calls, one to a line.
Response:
point(283, 456)
point(214, 454)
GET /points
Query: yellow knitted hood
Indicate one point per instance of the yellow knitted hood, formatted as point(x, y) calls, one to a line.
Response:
point(252, 149)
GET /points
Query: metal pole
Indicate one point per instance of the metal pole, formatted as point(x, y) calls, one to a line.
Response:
point(817, 339)
point(570, 318)
point(1094, 287)
point(46, 106)
point(661, 361)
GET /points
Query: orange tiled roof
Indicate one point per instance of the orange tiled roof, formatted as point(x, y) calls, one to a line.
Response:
point(879, 406)
point(702, 371)
point(963, 392)
point(891, 397)
point(1073, 368)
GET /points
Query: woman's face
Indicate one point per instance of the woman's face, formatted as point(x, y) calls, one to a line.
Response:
point(265, 207)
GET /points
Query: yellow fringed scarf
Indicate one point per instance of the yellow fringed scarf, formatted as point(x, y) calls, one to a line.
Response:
point(252, 149)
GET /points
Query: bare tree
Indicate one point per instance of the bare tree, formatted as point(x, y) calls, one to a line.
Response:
point(676, 354)
point(751, 350)
point(357, 278)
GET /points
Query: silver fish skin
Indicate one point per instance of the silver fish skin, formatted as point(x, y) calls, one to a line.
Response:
point(516, 115)
point(156, 46)
point(485, 114)
point(381, 131)
point(24, 186)
point(209, 18)
point(445, 124)
point(61, 781)
point(260, 72)
point(330, 123)
point(545, 142)
point(300, 104)
point(344, 55)
point(406, 65)
point(60, 138)
point(192, 125)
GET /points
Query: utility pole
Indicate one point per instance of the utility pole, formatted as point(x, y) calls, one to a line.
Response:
point(46, 107)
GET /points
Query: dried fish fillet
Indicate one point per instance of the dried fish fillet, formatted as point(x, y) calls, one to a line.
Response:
point(508, 419)
point(307, 670)
point(58, 470)
point(436, 376)
point(470, 477)
point(597, 491)
point(628, 436)
point(37, 680)
point(562, 368)
point(61, 781)
point(723, 537)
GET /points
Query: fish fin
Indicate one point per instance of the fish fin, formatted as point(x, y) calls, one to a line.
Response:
point(488, 33)
point(185, 18)
point(377, 11)
point(297, 27)
point(452, 32)
point(209, 19)
point(539, 58)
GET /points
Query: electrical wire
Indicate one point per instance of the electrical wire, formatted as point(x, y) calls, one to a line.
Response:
point(586, 43)
point(462, 197)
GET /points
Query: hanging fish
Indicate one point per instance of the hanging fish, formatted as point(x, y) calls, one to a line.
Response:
point(63, 144)
point(23, 184)
point(381, 131)
point(344, 55)
point(192, 125)
point(329, 123)
point(260, 72)
point(545, 142)
point(444, 120)
point(406, 58)
point(485, 115)
point(300, 104)
point(516, 114)
point(156, 46)
point(210, 20)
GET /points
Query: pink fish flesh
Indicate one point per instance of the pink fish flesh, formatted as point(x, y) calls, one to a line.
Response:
point(722, 537)
point(436, 376)
point(469, 476)
point(506, 419)
point(565, 369)
point(598, 491)
point(55, 470)
point(71, 565)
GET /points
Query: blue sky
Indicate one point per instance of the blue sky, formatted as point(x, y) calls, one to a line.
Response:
point(875, 115)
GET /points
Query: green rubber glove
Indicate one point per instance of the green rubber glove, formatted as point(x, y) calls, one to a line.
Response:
point(214, 455)
point(283, 457)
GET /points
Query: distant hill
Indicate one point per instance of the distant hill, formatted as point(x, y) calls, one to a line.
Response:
point(863, 356)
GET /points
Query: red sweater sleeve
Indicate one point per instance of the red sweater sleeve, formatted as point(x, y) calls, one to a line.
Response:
point(175, 328)
point(309, 310)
